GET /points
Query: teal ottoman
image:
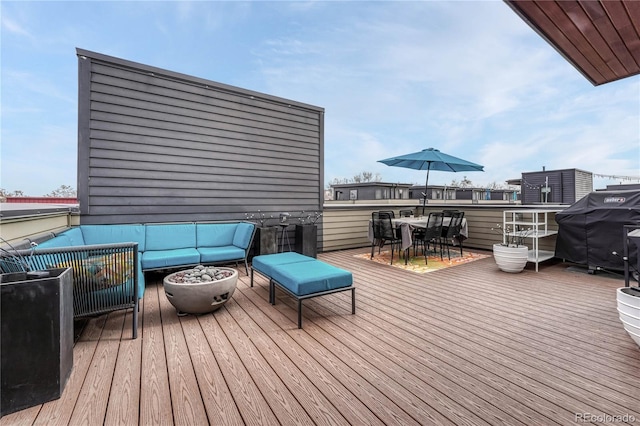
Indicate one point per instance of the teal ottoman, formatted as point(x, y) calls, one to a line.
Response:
point(266, 263)
point(302, 277)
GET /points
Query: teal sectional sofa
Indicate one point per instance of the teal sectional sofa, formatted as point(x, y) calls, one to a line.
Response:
point(104, 269)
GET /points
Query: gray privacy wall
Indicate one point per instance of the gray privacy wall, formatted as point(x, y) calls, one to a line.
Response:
point(159, 146)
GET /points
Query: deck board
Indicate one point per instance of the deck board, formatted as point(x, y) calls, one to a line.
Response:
point(467, 345)
point(91, 406)
point(252, 405)
point(216, 397)
point(155, 395)
point(314, 404)
point(185, 396)
point(124, 398)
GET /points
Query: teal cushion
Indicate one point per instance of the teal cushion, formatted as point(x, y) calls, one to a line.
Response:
point(266, 263)
point(220, 254)
point(71, 237)
point(305, 278)
point(170, 236)
point(168, 258)
point(61, 240)
point(112, 234)
point(242, 237)
point(215, 234)
point(75, 236)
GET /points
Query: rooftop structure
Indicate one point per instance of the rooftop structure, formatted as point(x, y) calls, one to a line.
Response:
point(371, 191)
point(600, 38)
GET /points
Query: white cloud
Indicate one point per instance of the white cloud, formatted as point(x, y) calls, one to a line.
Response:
point(37, 84)
point(13, 27)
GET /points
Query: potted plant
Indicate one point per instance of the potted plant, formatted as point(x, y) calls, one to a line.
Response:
point(511, 255)
point(37, 336)
point(266, 239)
point(628, 299)
point(307, 234)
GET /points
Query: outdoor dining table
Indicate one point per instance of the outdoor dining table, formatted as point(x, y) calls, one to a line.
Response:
point(408, 224)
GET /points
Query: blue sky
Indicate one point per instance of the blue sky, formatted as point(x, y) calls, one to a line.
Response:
point(469, 78)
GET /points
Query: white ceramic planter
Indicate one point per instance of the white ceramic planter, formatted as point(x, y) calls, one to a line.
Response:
point(200, 298)
point(629, 311)
point(510, 259)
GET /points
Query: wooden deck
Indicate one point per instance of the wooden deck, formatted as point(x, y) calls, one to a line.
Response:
point(466, 345)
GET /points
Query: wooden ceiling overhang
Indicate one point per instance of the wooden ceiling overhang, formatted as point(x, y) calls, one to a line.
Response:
point(601, 38)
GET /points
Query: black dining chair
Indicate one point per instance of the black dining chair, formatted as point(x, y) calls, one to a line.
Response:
point(445, 226)
point(453, 232)
point(383, 232)
point(432, 234)
point(393, 216)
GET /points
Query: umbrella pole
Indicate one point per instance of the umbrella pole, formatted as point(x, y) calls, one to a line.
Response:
point(426, 184)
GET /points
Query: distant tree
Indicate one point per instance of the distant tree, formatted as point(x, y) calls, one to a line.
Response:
point(4, 193)
point(454, 183)
point(359, 178)
point(336, 181)
point(465, 183)
point(495, 185)
point(367, 177)
point(64, 191)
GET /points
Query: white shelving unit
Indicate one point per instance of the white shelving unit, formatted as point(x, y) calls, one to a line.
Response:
point(529, 224)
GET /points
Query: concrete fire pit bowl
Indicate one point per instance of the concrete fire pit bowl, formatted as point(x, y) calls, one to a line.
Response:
point(200, 290)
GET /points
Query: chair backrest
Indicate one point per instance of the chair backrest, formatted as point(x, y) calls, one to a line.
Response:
point(434, 226)
point(449, 213)
point(382, 226)
point(389, 212)
point(455, 225)
point(406, 213)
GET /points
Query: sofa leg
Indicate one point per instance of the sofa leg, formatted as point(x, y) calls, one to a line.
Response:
point(135, 318)
point(251, 277)
point(299, 313)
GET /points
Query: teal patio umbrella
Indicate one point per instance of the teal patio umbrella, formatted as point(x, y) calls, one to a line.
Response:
point(432, 159)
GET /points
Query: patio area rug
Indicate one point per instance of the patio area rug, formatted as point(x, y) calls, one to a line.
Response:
point(417, 264)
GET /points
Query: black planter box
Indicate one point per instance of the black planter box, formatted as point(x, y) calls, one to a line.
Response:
point(307, 240)
point(36, 337)
point(266, 240)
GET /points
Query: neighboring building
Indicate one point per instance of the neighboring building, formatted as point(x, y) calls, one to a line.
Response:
point(42, 200)
point(371, 191)
point(434, 192)
point(487, 194)
point(555, 186)
point(622, 187)
point(439, 192)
